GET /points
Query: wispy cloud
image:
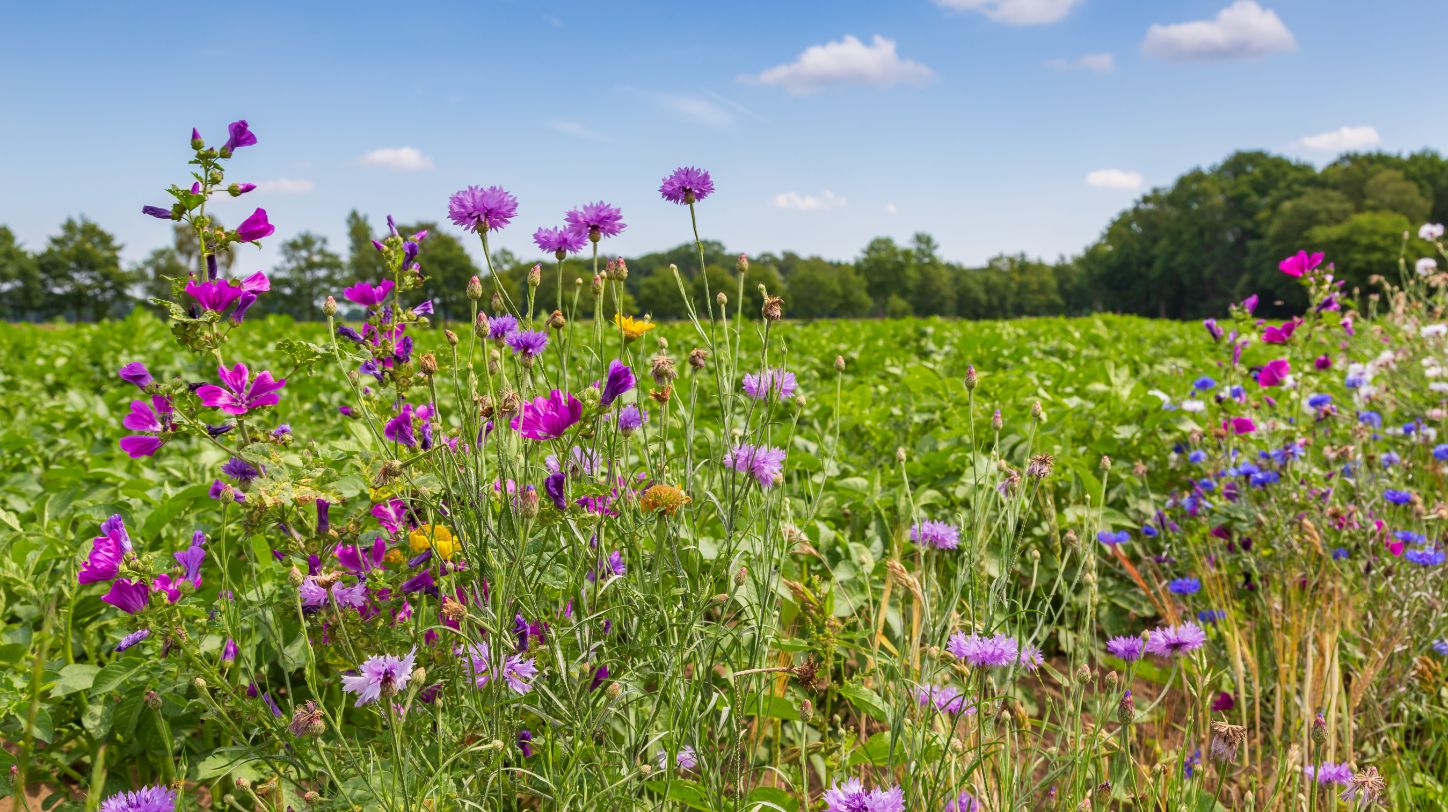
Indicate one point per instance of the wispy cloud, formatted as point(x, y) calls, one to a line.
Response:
point(286, 186)
point(553, 20)
point(847, 62)
point(1114, 179)
point(734, 105)
point(1342, 139)
point(694, 108)
point(398, 159)
point(1096, 63)
point(1015, 12)
point(1243, 30)
point(821, 202)
point(576, 130)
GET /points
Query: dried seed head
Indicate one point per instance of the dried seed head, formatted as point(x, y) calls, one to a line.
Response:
point(390, 470)
point(307, 720)
point(773, 309)
point(1226, 738)
point(697, 357)
point(663, 370)
point(453, 610)
point(1138, 469)
point(556, 320)
point(1040, 466)
point(427, 362)
point(508, 404)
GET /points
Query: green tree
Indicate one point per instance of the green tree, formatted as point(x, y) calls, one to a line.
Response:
point(447, 266)
point(22, 288)
point(1365, 244)
point(887, 271)
point(1390, 190)
point(158, 270)
point(308, 273)
point(82, 269)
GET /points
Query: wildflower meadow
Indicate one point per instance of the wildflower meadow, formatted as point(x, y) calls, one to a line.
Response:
point(563, 556)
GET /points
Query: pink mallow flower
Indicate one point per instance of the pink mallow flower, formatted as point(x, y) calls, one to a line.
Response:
point(1300, 263)
point(242, 393)
point(1274, 372)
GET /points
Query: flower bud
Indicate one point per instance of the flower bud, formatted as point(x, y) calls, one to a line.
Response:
point(741, 575)
point(1319, 729)
point(475, 288)
point(839, 363)
point(597, 285)
point(970, 378)
point(330, 306)
point(721, 298)
point(480, 327)
point(620, 269)
point(806, 708)
point(196, 142)
point(1038, 414)
point(535, 276)
point(1083, 674)
point(152, 700)
point(199, 683)
point(613, 690)
point(1105, 463)
point(743, 263)
point(900, 455)
point(452, 338)
point(496, 302)
point(1126, 708)
point(556, 320)
point(495, 362)
point(995, 421)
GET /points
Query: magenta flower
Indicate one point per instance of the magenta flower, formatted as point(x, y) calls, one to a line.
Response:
point(242, 393)
point(687, 185)
point(107, 550)
point(1239, 425)
point(1274, 373)
point(771, 381)
point(240, 136)
point(255, 227)
point(368, 296)
point(136, 373)
point(1279, 335)
point(151, 417)
point(764, 463)
point(128, 596)
point(145, 799)
point(547, 418)
point(556, 241)
point(380, 675)
point(595, 221)
point(482, 209)
point(215, 295)
point(1300, 264)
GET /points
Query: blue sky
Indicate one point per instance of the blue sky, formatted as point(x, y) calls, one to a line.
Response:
point(996, 125)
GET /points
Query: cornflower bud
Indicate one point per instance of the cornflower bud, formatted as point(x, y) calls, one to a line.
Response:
point(839, 363)
point(721, 298)
point(330, 306)
point(597, 286)
point(530, 503)
point(995, 421)
point(495, 361)
point(452, 338)
point(1319, 729)
point(620, 270)
point(743, 263)
point(152, 700)
point(535, 276)
point(1126, 708)
point(475, 288)
point(1037, 413)
point(481, 326)
point(741, 575)
point(970, 378)
point(1083, 674)
point(496, 302)
point(1105, 463)
point(556, 320)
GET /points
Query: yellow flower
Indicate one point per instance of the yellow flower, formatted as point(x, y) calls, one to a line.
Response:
point(435, 537)
point(665, 499)
point(632, 328)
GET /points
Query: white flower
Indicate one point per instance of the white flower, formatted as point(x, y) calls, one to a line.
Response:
point(1427, 266)
point(1430, 231)
point(1438, 386)
point(1433, 330)
point(1193, 406)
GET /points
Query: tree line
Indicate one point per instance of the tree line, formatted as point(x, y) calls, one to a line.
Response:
point(1183, 251)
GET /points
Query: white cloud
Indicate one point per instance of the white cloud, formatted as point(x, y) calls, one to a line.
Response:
point(890, 208)
point(798, 202)
point(1342, 139)
point(575, 129)
point(399, 159)
point(553, 20)
point(286, 186)
point(695, 109)
point(1114, 179)
point(1243, 30)
point(847, 62)
point(1096, 63)
point(1015, 12)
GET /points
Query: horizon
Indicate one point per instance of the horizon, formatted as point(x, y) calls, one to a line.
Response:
point(1105, 104)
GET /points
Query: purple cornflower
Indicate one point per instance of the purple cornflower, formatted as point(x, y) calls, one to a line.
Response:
point(482, 209)
point(1166, 641)
point(984, 652)
point(132, 639)
point(965, 802)
point(687, 185)
point(240, 135)
point(631, 419)
point(354, 596)
point(777, 382)
point(240, 470)
point(1184, 586)
point(136, 373)
point(620, 380)
point(547, 418)
point(764, 463)
point(595, 221)
point(1112, 538)
point(215, 295)
point(366, 295)
point(1440, 647)
point(107, 550)
point(686, 759)
point(518, 671)
point(1329, 773)
point(500, 327)
point(255, 227)
point(853, 797)
point(526, 343)
point(242, 393)
point(945, 698)
point(313, 595)
point(145, 799)
point(940, 535)
point(128, 596)
point(1126, 648)
point(559, 242)
point(381, 674)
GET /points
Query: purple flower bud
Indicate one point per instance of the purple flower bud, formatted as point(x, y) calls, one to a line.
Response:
point(228, 651)
point(218, 430)
point(136, 373)
point(255, 227)
point(243, 303)
point(323, 521)
point(157, 212)
point(132, 639)
point(348, 333)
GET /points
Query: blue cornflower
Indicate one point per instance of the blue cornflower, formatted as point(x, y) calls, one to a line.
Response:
point(1371, 418)
point(1410, 537)
point(1339, 553)
point(1319, 401)
point(1426, 557)
point(1184, 586)
point(1149, 531)
point(1197, 457)
point(1112, 538)
point(1441, 646)
point(1390, 458)
point(1440, 452)
point(1211, 615)
point(1264, 478)
point(1397, 497)
point(1204, 383)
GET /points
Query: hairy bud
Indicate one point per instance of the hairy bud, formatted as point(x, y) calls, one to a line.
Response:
point(330, 306)
point(839, 363)
point(475, 288)
point(970, 378)
point(535, 276)
point(452, 338)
